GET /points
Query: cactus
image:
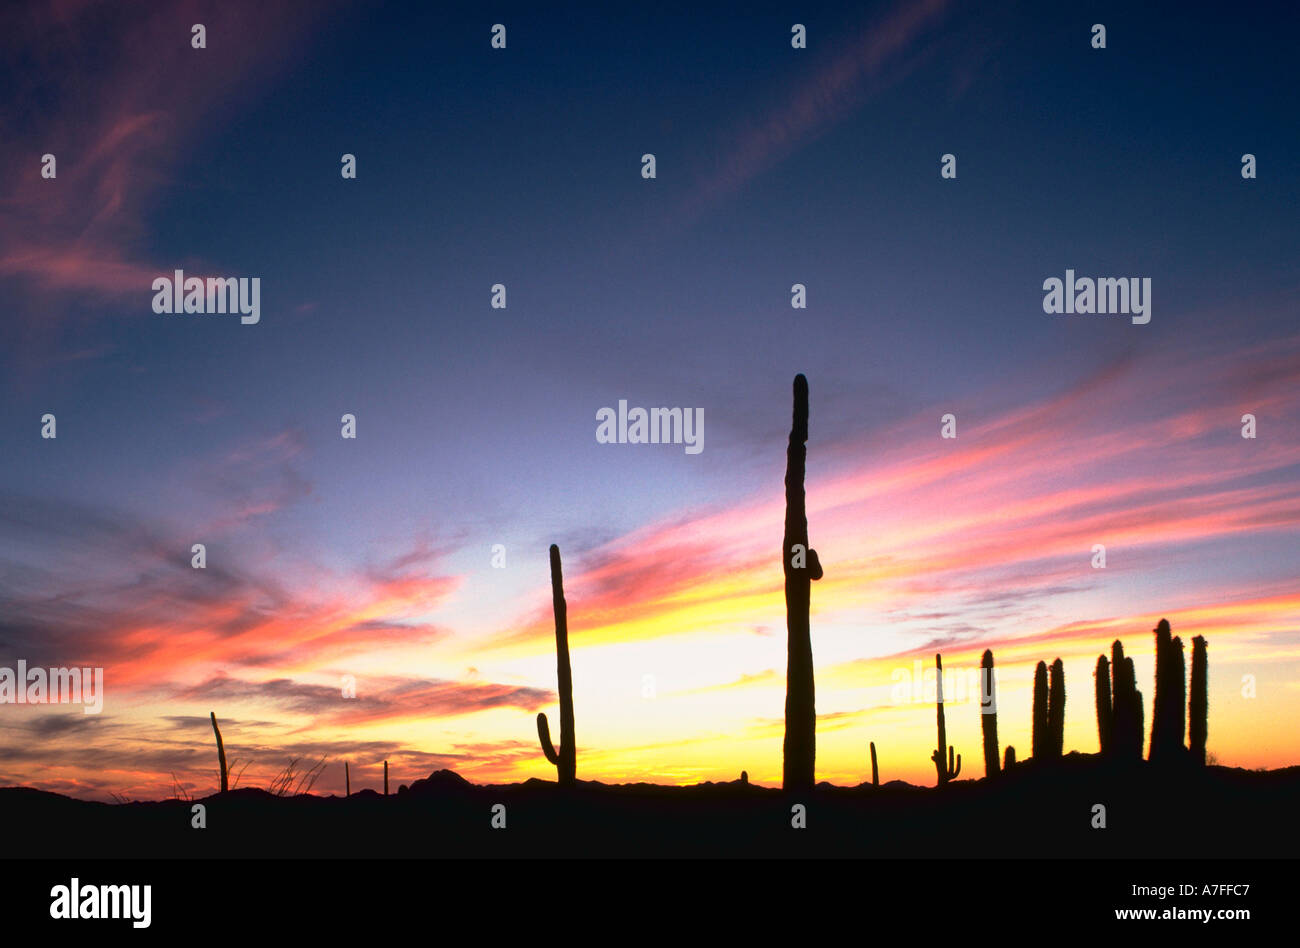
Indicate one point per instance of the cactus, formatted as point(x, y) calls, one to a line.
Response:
point(946, 773)
point(1039, 743)
point(875, 771)
point(1126, 707)
point(744, 778)
point(385, 778)
point(1136, 726)
point(565, 759)
point(221, 753)
point(347, 780)
point(1009, 760)
point(1159, 705)
point(1198, 704)
point(989, 714)
point(800, 566)
point(1056, 711)
point(1105, 712)
point(1177, 700)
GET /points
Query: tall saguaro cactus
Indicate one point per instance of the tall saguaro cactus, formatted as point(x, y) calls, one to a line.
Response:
point(875, 771)
point(989, 714)
point(385, 778)
point(1056, 710)
point(801, 566)
point(1105, 712)
point(221, 753)
point(946, 772)
point(1039, 743)
point(347, 780)
point(565, 759)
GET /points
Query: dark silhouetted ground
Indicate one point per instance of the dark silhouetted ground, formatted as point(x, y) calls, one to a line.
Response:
point(1211, 812)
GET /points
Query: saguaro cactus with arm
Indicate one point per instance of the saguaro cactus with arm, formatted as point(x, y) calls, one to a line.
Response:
point(564, 759)
point(801, 566)
point(946, 772)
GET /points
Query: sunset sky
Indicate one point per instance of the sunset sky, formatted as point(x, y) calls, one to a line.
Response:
point(372, 557)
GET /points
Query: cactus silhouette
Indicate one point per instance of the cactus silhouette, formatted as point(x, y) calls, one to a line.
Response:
point(385, 778)
point(1105, 711)
point(1136, 728)
point(947, 772)
point(221, 753)
point(875, 771)
point(1159, 710)
point(989, 714)
point(1009, 760)
point(1178, 700)
point(565, 759)
point(1198, 704)
point(1169, 709)
point(1126, 707)
point(1038, 749)
point(1056, 710)
point(744, 778)
point(347, 780)
point(801, 566)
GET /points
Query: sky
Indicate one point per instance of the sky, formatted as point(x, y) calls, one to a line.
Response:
point(370, 559)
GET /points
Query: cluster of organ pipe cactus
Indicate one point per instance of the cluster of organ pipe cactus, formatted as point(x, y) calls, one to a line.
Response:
point(1119, 706)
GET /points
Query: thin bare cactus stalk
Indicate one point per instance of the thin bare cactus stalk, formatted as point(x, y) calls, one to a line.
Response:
point(221, 753)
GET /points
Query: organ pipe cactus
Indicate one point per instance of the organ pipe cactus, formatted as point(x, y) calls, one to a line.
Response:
point(1040, 742)
point(1105, 712)
point(1198, 705)
point(989, 714)
point(1056, 710)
